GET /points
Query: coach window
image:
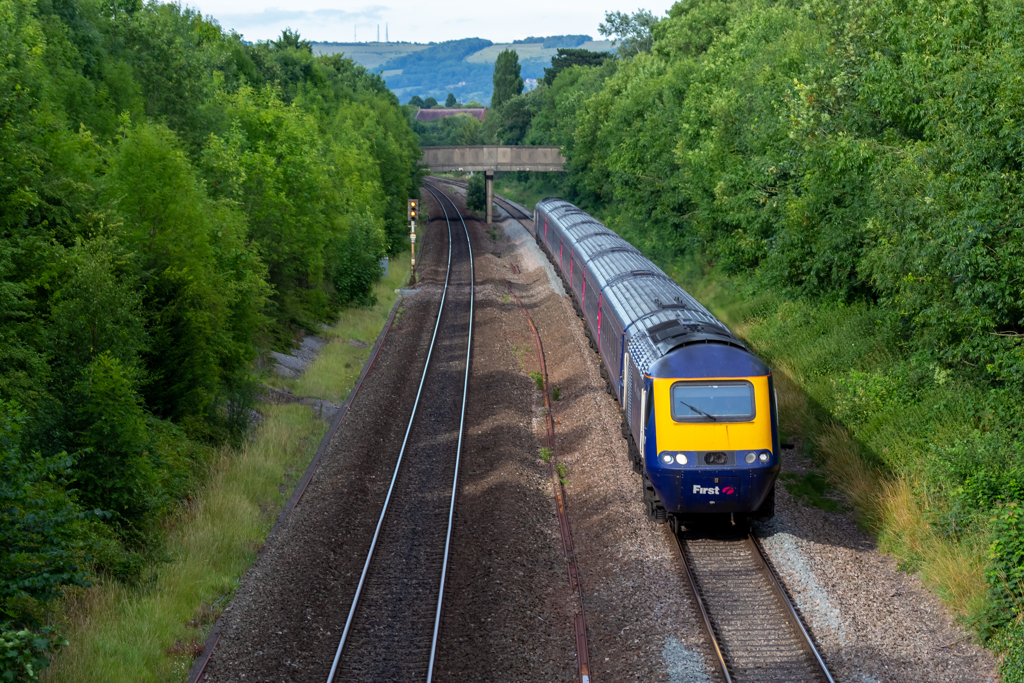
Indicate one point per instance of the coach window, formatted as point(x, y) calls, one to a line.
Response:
point(720, 401)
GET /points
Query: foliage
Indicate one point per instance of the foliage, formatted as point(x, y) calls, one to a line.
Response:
point(450, 102)
point(172, 202)
point(810, 488)
point(417, 101)
point(1005, 573)
point(441, 64)
point(24, 653)
point(569, 41)
point(507, 81)
point(634, 31)
point(40, 525)
point(538, 379)
point(39, 521)
point(463, 129)
point(476, 193)
point(569, 57)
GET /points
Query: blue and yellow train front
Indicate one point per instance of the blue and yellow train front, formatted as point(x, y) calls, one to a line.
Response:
point(711, 439)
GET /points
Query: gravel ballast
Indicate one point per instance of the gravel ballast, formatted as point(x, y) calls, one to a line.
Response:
point(286, 619)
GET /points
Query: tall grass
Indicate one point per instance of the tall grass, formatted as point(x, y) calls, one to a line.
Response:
point(525, 192)
point(869, 418)
point(335, 371)
point(150, 632)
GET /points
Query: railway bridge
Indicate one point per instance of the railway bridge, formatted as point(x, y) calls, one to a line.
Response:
point(491, 158)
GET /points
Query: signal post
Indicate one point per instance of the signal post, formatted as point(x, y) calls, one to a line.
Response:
point(413, 211)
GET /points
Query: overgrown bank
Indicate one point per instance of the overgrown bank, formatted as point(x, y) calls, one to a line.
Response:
point(153, 629)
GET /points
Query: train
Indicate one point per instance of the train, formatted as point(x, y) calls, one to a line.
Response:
point(699, 409)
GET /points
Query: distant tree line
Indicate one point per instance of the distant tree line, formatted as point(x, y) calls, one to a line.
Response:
point(173, 201)
point(555, 41)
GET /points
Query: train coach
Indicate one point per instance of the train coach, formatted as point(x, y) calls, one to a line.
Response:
point(699, 409)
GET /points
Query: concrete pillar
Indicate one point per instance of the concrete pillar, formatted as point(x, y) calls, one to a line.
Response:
point(489, 182)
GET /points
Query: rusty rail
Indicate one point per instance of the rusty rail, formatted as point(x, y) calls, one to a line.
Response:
point(561, 498)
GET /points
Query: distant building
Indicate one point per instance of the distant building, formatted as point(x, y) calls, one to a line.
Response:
point(440, 113)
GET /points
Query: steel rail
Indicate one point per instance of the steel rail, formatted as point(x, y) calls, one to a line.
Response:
point(705, 617)
point(785, 605)
point(398, 464)
point(791, 614)
point(501, 200)
point(462, 420)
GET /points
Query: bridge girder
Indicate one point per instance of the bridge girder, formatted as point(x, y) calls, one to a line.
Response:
point(493, 158)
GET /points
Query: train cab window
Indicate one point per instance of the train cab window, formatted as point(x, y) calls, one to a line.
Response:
point(713, 401)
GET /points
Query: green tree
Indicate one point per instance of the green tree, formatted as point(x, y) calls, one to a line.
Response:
point(116, 472)
point(292, 39)
point(634, 32)
point(507, 81)
point(451, 102)
point(429, 103)
point(417, 101)
point(567, 57)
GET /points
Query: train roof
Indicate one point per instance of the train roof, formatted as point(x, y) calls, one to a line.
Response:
point(657, 314)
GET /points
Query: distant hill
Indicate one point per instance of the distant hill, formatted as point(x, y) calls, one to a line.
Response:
point(463, 67)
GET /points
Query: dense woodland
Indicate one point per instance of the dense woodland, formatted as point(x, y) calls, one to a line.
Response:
point(858, 160)
point(173, 202)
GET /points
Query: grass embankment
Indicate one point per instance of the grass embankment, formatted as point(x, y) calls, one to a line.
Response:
point(528, 192)
point(905, 440)
point(153, 630)
point(335, 371)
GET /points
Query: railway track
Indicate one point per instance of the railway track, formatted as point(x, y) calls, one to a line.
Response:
point(391, 632)
point(513, 210)
point(756, 633)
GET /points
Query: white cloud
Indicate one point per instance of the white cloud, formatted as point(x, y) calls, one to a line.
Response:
point(418, 21)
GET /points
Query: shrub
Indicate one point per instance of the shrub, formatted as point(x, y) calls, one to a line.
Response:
point(1005, 573)
point(23, 654)
point(476, 193)
point(40, 527)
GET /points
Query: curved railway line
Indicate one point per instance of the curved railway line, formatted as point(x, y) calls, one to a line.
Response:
point(391, 632)
point(514, 210)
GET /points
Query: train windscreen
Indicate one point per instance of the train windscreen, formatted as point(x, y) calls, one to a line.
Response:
point(712, 401)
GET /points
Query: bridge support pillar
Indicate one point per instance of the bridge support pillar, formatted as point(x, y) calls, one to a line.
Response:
point(489, 182)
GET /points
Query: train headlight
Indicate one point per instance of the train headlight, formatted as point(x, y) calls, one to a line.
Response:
point(681, 459)
point(764, 456)
point(667, 459)
point(751, 457)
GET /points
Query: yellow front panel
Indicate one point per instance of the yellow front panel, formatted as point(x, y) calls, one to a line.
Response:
point(712, 436)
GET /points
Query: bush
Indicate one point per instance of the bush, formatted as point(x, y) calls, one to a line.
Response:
point(476, 193)
point(1005, 573)
point(23, 654)
point(39, 522)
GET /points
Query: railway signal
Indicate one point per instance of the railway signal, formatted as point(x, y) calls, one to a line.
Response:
point(413, 212)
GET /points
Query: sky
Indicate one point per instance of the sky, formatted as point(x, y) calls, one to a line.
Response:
point(415, 21)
